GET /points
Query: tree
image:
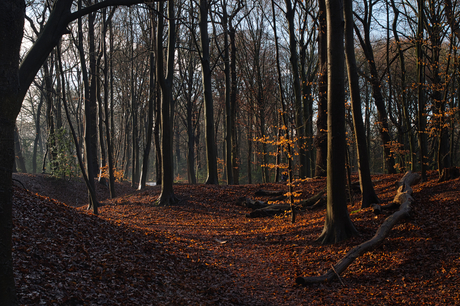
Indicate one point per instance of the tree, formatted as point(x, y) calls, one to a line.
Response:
point(11, 27)
point(15, 80)
point(211, 154)
point(148, 140)
point(421, 113)
point(376, 84)
point(167, 196)
point(298, 114)
point(338, 225)
point(321, 122)
point(367, 189)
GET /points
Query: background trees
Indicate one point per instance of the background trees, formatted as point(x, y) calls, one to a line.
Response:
point(243, 88)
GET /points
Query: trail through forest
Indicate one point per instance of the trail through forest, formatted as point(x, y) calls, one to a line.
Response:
point(204, 251)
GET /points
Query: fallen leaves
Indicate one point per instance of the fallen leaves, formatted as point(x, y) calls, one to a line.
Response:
point(203, 251)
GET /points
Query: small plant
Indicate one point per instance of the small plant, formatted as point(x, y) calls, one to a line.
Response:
point(64, 162)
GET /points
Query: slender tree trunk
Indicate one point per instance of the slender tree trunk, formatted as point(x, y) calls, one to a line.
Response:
point(167, 196)
point(108, 134)
point(228, 105)
point(407, 125)
point(90, 129)
point(367, 189)
point(298, 114)
point(37, 134)
point(211, 148)
point(321, 122)
point(51, 143)
point(421, 113)
point(18, 151)
point(235, 154)
point(148, 140)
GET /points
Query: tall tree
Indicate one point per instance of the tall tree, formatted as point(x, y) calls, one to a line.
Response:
point(11, 27)
point(15, 80)
point(298, 113)
point(367, 189)
point(421, 112)
point(337, 226)
point(90, 133)
point(167, 196)
point(374, 79)
point(211, 148)
point(321, 122)
point(151, 107)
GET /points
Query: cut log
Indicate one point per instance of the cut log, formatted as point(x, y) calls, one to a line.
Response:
point(404, 199)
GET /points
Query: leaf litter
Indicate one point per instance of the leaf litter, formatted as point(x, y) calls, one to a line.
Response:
point(203, 251)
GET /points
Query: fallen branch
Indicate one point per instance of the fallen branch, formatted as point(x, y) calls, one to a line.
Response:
point(270, 193)
point(404, 198)
point(263, 209)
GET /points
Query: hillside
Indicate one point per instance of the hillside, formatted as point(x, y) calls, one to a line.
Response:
point(203, 251)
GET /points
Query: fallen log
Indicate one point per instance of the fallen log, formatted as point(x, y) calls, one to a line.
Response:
point(404, 199)
point(263, 209)
point(270, 193)
point(449, 174)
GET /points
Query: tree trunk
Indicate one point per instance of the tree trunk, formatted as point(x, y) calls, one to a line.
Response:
point(11, 29)
point(402, 63)
point(108, 134)
point(167, 196)
point(90, 113)
point(148, 140)
point(321, 121)
point(421, 116)
point(37, 134)
point(376, 87)
point(211, 154)
point(367, 189)
point(18, 150)
point(338, 226)
point(236, 171)
point(298, 114)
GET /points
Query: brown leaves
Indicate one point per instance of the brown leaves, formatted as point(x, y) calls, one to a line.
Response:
point(203, 251)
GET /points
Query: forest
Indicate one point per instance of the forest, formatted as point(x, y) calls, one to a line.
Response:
point(316, 99)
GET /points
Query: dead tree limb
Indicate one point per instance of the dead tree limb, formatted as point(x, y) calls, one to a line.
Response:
point(263, 209)
point(404, 198)
point(270, 193)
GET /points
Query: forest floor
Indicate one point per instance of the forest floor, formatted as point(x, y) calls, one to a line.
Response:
point(204, 251)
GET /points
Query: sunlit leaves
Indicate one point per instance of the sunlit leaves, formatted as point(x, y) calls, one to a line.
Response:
point(203, 251)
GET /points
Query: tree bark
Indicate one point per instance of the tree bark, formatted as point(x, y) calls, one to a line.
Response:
point(11, 28)
point(338, 226)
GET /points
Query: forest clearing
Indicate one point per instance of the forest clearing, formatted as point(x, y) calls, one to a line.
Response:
point(204, 251)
